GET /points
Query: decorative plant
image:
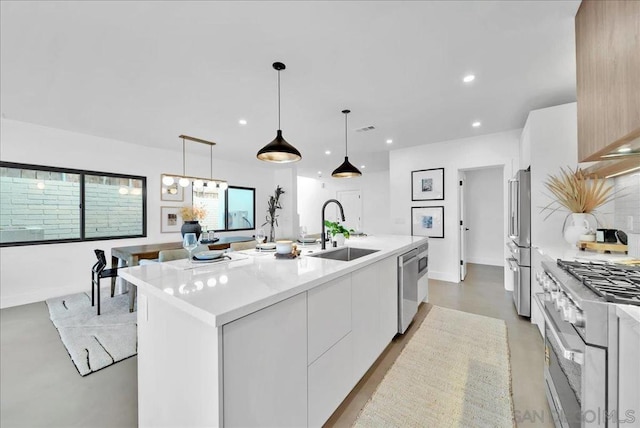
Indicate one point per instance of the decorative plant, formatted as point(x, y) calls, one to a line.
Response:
point(190, 213)
point(577, 192)
point(335, 228)
point(272, 206)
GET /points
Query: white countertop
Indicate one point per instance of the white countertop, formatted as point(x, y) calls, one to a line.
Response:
point(222, 292)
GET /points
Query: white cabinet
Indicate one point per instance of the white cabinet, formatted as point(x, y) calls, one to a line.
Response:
point(629, 364)
point(388, 274)
point(329, 315)
point(330, 380)
point(265, 367)
point(375, 312)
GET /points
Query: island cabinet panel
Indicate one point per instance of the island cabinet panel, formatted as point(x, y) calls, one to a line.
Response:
point(330, 380)
point(329, 315)
point(375, 312)
point(388, 300)
point(265, 367)
point(178, 363)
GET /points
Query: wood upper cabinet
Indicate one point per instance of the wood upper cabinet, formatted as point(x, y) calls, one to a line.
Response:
point(608, 76)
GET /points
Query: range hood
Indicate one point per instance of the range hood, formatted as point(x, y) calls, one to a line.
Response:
point(619, 158)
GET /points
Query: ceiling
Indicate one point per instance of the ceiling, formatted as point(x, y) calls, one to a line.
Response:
point(146, 72)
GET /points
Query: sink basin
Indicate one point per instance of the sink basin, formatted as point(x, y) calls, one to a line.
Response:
point(345, 254)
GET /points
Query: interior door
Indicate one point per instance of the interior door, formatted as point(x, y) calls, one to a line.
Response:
point(463, 230)
point(352, 203)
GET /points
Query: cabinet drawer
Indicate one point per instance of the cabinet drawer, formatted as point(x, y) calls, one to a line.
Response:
point(328, 315)
point(330, 380)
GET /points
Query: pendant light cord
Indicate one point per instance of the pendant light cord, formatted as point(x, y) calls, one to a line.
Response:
point(184, 161)
point(279, 100)
point(346, 147)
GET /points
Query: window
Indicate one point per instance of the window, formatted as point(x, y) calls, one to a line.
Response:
point(230, 209)
point(40, 204)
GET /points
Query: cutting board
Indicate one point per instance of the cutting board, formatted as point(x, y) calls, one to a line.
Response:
point(603, 247)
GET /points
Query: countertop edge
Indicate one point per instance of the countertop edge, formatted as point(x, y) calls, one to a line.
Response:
point(234, 314)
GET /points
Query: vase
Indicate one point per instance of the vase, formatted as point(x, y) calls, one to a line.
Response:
point(272, 234)
point(339, 239)
point(575, 226)
point(191, 226)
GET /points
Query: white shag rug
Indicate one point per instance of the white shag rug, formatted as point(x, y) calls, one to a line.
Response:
point(95, 342)
point(454, 372)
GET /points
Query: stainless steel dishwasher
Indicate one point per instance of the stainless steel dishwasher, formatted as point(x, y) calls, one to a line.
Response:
point(407, 289)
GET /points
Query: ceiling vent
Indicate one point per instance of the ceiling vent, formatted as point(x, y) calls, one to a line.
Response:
point(366, 128)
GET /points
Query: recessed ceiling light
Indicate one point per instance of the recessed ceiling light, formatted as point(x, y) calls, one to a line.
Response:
point(242, 121)
point(389, 141)
point(624, 150)
point(362, 166)
point(327, 152)
point(476, 124)
point(468, 78)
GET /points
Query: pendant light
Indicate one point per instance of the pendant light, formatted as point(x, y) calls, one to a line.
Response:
point(279, 151)
point(184, 181)
point(346, 170)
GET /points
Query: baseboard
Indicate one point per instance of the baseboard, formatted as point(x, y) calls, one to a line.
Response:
point(485, 261)
point(444, 276)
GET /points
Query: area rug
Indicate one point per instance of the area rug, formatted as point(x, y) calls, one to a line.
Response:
point(454, 372)
point(95, 342)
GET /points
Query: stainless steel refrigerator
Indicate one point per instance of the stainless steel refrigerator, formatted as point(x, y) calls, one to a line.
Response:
point(519, 216)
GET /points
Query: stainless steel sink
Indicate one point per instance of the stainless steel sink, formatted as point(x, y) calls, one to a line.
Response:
point(345, 254)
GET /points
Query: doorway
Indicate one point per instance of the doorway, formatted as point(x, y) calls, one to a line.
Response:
point(481, 217)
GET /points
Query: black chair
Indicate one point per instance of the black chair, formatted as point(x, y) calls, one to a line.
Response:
point(98, 272)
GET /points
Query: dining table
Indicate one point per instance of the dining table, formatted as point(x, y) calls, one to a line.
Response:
point(132, 254)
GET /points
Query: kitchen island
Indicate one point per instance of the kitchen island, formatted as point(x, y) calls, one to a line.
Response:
point(259, 341)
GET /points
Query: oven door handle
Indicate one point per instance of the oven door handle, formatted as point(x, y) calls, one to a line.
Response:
point(568, 354)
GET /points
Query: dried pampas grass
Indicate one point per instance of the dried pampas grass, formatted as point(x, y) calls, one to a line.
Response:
point(577, 192)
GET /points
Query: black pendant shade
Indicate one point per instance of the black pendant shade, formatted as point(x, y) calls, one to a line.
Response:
point(346, 170)
point(279, 151)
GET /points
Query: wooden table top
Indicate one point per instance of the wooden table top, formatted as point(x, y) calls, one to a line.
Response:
point(150, 251)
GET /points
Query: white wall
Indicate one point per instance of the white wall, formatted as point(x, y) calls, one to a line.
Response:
point(482, 151)
point(374, 190)
point(36, 272)
point(484, 216)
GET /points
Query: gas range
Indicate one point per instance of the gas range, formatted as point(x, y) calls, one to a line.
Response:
point(614, 283)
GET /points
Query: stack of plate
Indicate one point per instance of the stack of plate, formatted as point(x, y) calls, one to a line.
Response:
point(307, 240)
point(267, 246)
point(208, 255)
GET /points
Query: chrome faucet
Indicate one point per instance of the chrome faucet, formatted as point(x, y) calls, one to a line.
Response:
point(323, 235)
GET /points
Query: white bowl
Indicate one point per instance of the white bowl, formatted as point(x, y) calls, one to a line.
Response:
point(284, 247)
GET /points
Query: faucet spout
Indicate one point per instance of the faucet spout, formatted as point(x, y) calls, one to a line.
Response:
point(322, 234)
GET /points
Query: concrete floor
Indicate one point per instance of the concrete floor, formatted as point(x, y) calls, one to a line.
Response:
point(39, 385)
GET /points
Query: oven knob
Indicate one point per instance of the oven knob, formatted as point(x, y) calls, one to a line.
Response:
point(567, 312)
point(561, 302)
point(577, 318)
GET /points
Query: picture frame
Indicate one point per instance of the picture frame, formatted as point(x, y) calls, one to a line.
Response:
point(172, 193)
point(427, 221)
point(170, 219)
point(427, 185)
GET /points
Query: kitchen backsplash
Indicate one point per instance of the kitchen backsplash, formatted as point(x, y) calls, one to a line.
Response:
point(627, 205)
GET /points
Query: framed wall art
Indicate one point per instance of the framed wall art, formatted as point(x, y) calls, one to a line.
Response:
point(427, 185)
point(170, 219)
point(172, 192)
point(427, 221)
